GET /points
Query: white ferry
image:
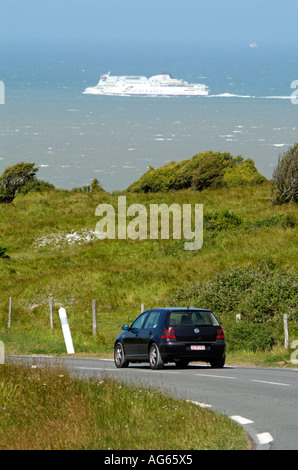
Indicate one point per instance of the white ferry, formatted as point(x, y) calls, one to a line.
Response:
point(158, 85)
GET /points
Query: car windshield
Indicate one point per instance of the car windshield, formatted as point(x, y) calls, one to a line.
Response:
point(189, 318)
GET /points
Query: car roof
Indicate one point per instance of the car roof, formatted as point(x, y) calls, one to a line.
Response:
point(179, 309)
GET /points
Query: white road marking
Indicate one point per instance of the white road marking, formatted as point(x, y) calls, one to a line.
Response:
point(241, 419)
point(271, 383)
point(264, 438)
point(217, 376)
point(202, 405)
point(94, 368)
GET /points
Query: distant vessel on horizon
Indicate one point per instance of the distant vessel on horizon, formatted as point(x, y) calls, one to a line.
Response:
point(157, 85)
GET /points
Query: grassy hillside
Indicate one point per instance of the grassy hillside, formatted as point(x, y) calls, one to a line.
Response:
point(53, 253)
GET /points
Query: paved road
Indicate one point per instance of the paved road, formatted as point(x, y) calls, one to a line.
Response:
point(264, 401)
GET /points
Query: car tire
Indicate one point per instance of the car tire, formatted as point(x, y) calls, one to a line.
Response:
point(119, 356)
point(155, 359)
point(218, 363)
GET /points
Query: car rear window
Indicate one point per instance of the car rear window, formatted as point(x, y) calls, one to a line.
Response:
point(189, 318)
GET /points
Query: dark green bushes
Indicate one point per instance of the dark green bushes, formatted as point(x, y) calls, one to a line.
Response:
point(259, 295)
point(20, 178)
point(249, 336)
point(205, 170)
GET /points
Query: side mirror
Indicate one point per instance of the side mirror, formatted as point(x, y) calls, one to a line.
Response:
point(125, 327)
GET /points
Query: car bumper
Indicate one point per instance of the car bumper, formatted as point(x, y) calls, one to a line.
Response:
point(176, 351)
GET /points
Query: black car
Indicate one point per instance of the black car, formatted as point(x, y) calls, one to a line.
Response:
point(179, 335)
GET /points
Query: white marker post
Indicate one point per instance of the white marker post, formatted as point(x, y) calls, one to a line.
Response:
point(66, 331)
point(2, 354)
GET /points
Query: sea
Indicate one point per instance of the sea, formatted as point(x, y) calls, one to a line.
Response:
point(73, 137)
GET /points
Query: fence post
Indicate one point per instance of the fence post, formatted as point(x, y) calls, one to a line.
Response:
point(51, 312)
point(286, 331)
point(94, 317)
point(9, 313)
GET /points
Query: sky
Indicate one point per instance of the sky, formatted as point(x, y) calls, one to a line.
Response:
point(150, 22)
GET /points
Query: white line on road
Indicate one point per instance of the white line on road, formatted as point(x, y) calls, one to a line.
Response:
point(271, 383)
point(264, 438)
point(93, 368)
point(241, 419)
point(217, 376)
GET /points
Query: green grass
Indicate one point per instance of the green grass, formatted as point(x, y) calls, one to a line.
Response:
point(122, 274)
point(102, 414)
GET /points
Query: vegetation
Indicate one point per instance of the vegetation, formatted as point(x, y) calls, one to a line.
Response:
point(20, 178)
point(284, 186)
point(102, 414)
point(94, 187)
point(205, 170)
point(3, 253)
point(247, 265)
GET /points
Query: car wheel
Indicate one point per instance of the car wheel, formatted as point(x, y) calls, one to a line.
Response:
point(218, 363)
point(155, 359)
point(119, 356)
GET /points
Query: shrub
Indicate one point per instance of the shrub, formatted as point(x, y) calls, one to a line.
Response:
point(284, 185)
point(248, 336)
point(242, 172)
point(205, 170)
point(260, 295)
point(14, 178)
point(221, 220)
point(94, 187)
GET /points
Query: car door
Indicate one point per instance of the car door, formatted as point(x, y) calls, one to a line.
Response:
point(131, 339)
point(146, 333)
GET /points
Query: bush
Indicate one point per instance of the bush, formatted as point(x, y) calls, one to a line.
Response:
point(243, 172)
point(260, 295)
point(36, 185)
point(221, 220)
point(284, 185)
point(14, 178)
point(205, 170)
point(248, 336)
point(94, 187)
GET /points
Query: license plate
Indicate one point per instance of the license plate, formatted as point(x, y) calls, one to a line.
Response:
point(197, 347)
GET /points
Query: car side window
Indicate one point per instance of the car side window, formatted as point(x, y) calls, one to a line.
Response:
point(139, 321)
point(152, 320)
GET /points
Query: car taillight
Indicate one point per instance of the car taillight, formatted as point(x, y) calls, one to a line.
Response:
point(220, 334)
point(169, 334)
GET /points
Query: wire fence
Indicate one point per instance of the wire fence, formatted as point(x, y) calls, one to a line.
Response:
point(98, 319)
point(45, 314)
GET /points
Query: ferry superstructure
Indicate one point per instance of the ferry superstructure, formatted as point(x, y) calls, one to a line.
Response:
point(157, 85)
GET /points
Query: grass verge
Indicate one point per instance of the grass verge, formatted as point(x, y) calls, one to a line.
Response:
point(46, 409)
